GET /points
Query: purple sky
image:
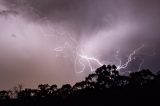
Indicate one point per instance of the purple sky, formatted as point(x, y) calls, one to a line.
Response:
point(58, 41)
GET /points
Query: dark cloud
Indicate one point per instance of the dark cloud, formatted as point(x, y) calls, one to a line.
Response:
point(8, 12)
point(79, 15)
point(89, 15)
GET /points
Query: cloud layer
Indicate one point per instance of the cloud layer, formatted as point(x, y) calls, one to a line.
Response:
point(32, 29)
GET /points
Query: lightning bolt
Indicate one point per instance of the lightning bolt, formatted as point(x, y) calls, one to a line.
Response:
point(120, 66)
point(130, 58)
point(89, 59)
point(80, 56)
point(61, 49)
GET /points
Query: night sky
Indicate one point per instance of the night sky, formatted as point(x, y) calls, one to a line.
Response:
point(62, 41)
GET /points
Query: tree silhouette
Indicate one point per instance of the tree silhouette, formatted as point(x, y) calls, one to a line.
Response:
point(4, 95)
point(140, 78)
point(27, 94)
point(43, 90)
point(121, 81)
point(66, 88)
point(105, 84)
point(79, 86)
point(53, 89)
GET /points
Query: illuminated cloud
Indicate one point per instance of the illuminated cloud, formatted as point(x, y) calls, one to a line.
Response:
point(57, 41)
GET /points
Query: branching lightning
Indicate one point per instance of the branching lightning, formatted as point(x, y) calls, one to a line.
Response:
point(130, 58)
point(80, 57)
point(83, 60)
point(89, 59)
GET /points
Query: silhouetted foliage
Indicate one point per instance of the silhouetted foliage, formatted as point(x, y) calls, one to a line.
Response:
point(103, 87)
point(4, 95)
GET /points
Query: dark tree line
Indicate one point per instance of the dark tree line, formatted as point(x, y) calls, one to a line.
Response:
point(103, 87)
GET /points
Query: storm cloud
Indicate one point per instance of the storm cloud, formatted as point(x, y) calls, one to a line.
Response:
point(31, 31)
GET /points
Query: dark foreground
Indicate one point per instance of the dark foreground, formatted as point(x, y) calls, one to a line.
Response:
point(105, 87)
